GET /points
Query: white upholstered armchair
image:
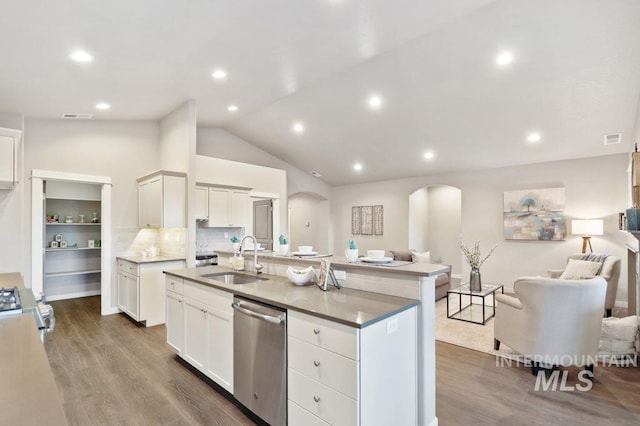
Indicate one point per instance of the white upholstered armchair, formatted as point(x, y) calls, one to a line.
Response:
point(610, 271)
point(552, 321)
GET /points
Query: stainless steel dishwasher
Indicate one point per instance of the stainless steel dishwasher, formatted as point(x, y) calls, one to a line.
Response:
point(260, 359)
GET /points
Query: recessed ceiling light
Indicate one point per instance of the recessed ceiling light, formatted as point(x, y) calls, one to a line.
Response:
point(533, 137)
point(103, 106)
point(429, 155)
point(357, 167)
point(298, 127)
point(232, 108)
point(375, 101)
point(81, 56)
point(504, 58)
point(219, 74)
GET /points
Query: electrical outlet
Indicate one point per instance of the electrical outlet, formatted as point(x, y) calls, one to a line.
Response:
point(340, 275)
point(392, 325)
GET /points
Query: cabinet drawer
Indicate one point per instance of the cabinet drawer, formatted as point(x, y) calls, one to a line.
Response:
point(128, 267)
point(330, 335)
point(336, 371)
point(322, 401)
point(174, 284)
point(299, 416)
point(212, 297)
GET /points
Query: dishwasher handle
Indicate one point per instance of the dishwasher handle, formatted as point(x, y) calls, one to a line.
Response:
point(273, 320)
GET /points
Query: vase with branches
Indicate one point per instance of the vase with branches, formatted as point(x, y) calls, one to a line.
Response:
point(474, 258)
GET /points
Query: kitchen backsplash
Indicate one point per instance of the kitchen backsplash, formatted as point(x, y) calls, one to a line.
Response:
point(132, 241)
point(212, 239)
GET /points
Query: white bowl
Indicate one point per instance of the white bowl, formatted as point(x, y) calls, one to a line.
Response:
point(375, 254)
point(300, 276)
point(305, 249)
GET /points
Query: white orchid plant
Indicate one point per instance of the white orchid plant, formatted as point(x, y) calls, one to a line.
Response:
point(473, 256)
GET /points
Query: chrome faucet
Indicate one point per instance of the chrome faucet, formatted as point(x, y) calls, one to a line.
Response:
point(256, 266)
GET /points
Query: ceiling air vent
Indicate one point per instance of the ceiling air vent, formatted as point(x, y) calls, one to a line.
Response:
point(314, 173)
point(75, 116)
point(613, 138)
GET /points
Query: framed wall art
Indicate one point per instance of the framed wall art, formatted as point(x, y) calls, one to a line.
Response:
point(366, 221)
point(355, 220)
point(535, 214)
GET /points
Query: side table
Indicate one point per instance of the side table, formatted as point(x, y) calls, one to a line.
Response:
point(469, 309)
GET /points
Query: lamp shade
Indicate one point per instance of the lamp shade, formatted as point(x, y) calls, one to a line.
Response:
point(587, 227)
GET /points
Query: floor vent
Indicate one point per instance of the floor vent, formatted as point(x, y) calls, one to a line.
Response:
point(73, 116)
point(613, 139)
point(314, 173)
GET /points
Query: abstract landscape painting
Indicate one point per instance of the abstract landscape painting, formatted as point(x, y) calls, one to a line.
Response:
point(535, 214)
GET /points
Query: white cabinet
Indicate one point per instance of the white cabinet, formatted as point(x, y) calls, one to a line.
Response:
point(207, 319)
point(228, 208)
point(339, 375)
point(162, 200)
point(202, 203)
point(175, 314)
point(9, 142)
point(141, 289)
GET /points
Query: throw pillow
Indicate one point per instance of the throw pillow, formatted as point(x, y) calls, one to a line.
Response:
point(402, 255)
point(580, 270)
point(421, 257)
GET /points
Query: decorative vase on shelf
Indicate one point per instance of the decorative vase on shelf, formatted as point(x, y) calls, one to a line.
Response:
point(475, 283)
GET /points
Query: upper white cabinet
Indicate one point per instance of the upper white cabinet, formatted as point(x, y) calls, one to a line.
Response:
point(162, 200)
point(9, 142)
point(228, 207)
point(202, 203)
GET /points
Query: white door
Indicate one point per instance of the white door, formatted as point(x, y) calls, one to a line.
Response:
point(122, 291)
point(202, 200)
point(239, 208)
point(175, 321)
point(195, 334)
point(133, 296)
point(218, 207)
point(220, 359)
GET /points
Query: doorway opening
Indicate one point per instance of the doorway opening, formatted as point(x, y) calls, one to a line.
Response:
point(309, 221)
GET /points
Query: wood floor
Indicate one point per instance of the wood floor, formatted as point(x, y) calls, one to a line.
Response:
point(111, 371)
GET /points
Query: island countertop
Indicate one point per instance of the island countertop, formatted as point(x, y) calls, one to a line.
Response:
point(354, 308)
point(28, 393)
point(341, 262)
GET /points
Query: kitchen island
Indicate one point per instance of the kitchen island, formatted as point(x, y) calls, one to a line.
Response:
point(387, 291)
point(29, 394)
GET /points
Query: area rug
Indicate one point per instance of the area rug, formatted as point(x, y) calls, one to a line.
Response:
point(469, 335)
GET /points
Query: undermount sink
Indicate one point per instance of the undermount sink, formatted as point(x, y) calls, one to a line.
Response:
point(233, 278)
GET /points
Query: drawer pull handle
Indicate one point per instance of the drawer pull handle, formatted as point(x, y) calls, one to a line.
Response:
point(316, 398)
point(316, 331)
point(316, 363)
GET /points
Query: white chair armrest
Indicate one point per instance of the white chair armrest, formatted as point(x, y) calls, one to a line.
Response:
point(511, 301)
point(555, 273)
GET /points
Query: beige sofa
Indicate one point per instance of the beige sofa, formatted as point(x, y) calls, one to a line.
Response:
point(443, 281)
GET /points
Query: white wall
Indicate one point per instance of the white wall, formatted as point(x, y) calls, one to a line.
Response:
point(218, 143)
point(122, 150)
point(445, 223)
point(419, 220)
point(308, 209)
point(595, 187)
point(14, 257)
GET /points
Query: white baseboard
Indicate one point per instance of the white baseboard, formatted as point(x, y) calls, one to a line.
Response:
point(112, 310)
point(73, 295)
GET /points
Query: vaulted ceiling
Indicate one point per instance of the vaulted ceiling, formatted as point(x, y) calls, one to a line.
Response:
point(574, 77)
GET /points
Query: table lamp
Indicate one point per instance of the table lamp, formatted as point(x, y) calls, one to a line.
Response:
point(587, 228)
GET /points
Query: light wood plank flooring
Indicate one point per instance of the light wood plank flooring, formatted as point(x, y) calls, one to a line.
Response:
point(111, 371)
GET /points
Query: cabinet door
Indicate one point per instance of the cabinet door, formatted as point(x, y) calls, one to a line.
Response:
point(202, 203)
point(218, 207)
point(195, 334)
point(150, 203)
point(7, 160)
point(175, 321)
point(220, 351)
point(238, 208)
point(133, 297)
point(122, 291)
point(172, 202)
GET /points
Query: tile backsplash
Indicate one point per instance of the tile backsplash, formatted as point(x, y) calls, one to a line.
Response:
point(132, 241)
point(212, 239)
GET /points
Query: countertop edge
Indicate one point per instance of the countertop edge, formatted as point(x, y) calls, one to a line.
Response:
point(410, 302)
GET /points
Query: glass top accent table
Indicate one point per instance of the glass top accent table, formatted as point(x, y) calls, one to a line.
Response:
point(473, 305)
